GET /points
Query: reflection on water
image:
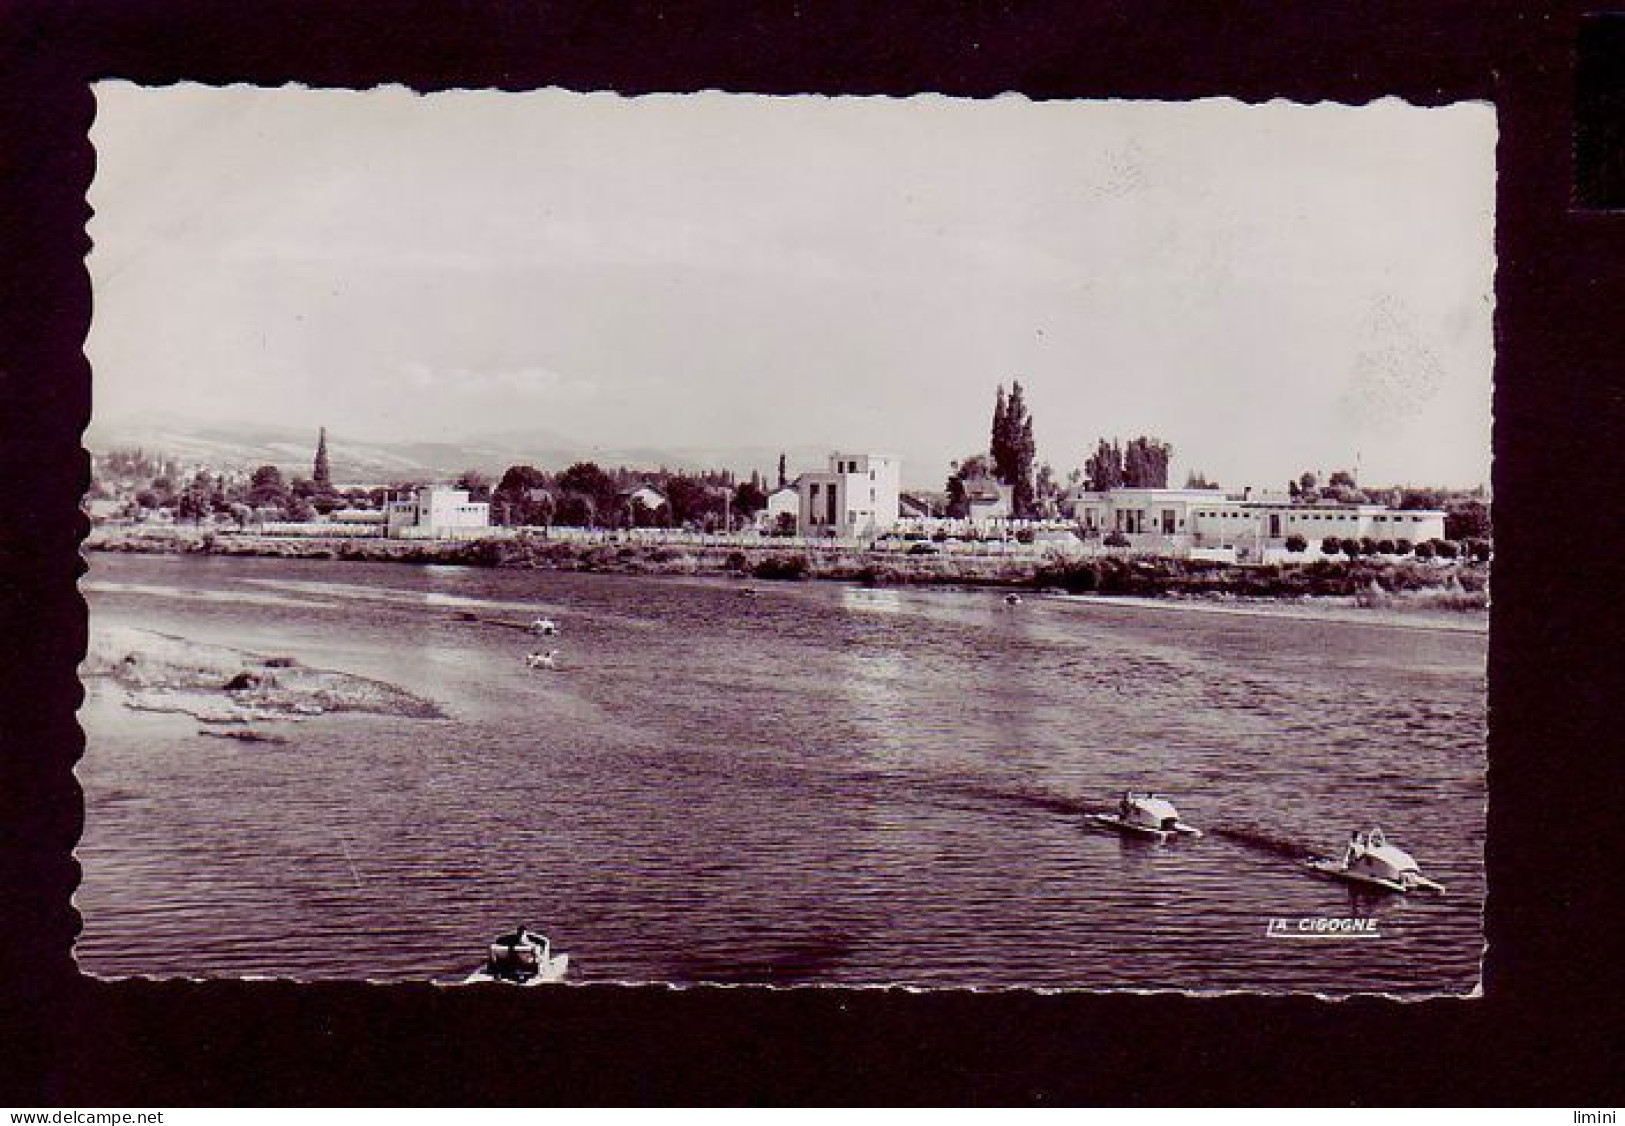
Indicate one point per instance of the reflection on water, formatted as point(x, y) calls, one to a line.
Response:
point(871, 599)
point(817, 783)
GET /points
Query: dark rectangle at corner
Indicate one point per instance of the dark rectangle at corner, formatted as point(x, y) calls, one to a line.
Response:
point(1599, 113)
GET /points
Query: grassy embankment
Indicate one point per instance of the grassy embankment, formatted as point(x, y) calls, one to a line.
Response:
point(1376, 582)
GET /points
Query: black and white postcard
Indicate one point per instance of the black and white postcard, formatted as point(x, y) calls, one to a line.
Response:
point(548, 538)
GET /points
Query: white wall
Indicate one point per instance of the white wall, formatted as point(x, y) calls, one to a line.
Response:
point(813, 515)
point(780, 502)
point(1315, 523)
point(866, 489)
point(1213, 520)
point(432, 512)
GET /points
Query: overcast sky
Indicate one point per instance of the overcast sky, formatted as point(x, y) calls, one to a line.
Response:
point(1270, 288)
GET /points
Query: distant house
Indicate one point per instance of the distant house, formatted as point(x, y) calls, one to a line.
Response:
point(987, 499)
point(781, 503)
point(434, 513)
point(643, 506)
point(911, 507)
point(646, 496)
point(103, 508)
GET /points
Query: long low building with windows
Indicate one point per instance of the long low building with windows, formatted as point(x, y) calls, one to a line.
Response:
point(1201, 521)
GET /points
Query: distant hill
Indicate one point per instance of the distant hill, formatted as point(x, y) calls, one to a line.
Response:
point(247, 445)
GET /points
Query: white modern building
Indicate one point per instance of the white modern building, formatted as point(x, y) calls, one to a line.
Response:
point(1165, 512)
point(1199, 521)
point(435, 513)
point(856, 497)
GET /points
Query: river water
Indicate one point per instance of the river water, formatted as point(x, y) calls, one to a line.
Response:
point(815, 783)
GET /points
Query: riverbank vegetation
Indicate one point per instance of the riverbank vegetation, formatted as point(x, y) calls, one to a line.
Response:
point(1374, 580)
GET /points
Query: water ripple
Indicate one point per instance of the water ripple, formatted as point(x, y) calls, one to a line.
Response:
point(817, 784)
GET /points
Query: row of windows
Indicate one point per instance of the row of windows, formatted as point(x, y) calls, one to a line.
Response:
point(851, 467)
point(1326, 516)
point(812, 491)
point(1306, 518)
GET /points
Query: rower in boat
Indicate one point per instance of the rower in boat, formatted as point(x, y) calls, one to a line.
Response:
point(522, 958)
point(1147, 815)
point(1370, 861)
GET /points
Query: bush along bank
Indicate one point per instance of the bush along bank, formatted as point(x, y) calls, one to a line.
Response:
point(1369, 580)
point(767, 561)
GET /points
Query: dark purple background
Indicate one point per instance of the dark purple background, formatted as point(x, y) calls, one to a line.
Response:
point(1549, 1030)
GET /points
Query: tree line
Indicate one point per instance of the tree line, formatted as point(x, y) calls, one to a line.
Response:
point(1466, 513)
point(1144, 462)
point(587, 495)
point(1034, 491)
point(241, 497)
point(584, 494)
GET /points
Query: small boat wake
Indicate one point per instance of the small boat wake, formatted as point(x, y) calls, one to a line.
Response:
point(1009, 797)
point(1368, 861)
point(1262, 841)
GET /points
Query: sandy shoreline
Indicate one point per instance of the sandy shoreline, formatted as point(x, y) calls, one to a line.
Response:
point(228, 688)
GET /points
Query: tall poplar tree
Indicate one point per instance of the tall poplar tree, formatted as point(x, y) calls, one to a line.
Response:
point(1145, 463)
point(1104, 468)
point(998, 444)
point(1014, 450)
point(322, 475)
